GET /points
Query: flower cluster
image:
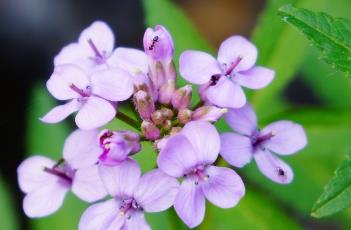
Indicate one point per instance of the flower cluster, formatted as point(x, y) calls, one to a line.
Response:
point(94, 78)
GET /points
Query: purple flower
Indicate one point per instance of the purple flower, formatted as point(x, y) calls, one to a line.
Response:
point(46, 182)
point(221, 79)
point(281, 137)
point(132, 196)
point(191, 154)
point(90, 95)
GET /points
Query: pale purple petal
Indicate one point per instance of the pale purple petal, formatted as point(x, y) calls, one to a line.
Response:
point(63, 77)
point(237, 47)
point(131, 60)
point(255, 78)
point(121, 180)
point(226, 93)
point(156, 191)
point(61, 112)
point(205, 140)
point(224, 187)
point(190, 203)
point(87, 184)
point(82, 148)
point(236, 149)
point(102, 216)
point(30, 173)
point(101, 35)
point(177, 157)
point(288, 138)
point(95, 113)
point(75, 54)
point(45, 200)
point(272, 167)
point(197, 67)
point(136, 222)
point(242, 120)
point(113, 84)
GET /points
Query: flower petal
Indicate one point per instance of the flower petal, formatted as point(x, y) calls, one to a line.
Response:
point(205, 140)
point(63, 77)
point(113, 84)
point(122, 179)
point(30, 173)
point(87, 184)
point(61, 112)
point(45, 200)
point(243, 120)
point(197, 67)
point(226, 93)
point(95, 113)
point(81, 148)
point(156, 191)
point(136, 222)
point(102, 215)
point(224, 187)
point(236, 149)
point(177, 157)
point(101, 35)
point(130, 60)
point(236, 47)
point(288, 138)
point(272, 167)
point(255, 78)
point(75, 54)
point(190, 203)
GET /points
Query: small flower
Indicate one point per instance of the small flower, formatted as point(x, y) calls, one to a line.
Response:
point(184, 116)
point(181, 98)
point(208, 113)
point(221, 79)
point(150, 131)
point(191, 154)
point(91, 95)
point(281, 137)
point(144, 104)
point(132, 196)
point(46, 182)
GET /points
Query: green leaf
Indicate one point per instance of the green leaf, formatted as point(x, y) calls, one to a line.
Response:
point(7, 211)
point(331, 35)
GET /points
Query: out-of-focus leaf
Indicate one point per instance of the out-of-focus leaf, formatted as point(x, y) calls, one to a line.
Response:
point(47, 140)
point(337, 193)
point(331, 35)
point(7, 211)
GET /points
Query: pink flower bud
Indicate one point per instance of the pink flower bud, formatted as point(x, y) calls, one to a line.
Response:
point(167, 125)
point(166, 92)
point(184, 116)
point(167, 113)
point(182, 97)
point(144, 104)
point(208, 113)
point(149, 130)
point(157, 117)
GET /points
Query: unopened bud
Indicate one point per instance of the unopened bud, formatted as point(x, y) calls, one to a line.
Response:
point(208, 113)
point(144, 104)
point(184, 116)
point(175, 130)
point(157, 117)
point(182, 97)
point(167, 113)
point(167, 125)
point(166, 92)
point(149, 130)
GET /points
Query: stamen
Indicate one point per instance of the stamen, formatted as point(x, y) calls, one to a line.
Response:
point(78, 90)
point(95, 49)
point(56, 172)
point(233, 65)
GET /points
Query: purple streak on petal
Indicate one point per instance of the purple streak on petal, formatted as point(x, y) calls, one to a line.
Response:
point(272, 167)
point(242, 120)
point(156, 191)
point(60, 112)
point(255, 78)
point(236, 149)
point(205, 140)
point(95, 113)
point(130, 60)
point(288, 137)
point(224, 187)
point(197, 67)
point(233, 48)
point(226, 93)
point(121, 180)
point(177, 157)
point(136, 222)
point(190, 203)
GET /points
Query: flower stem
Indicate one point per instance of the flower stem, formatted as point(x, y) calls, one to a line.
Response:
point(199, 104)
point(128, 120)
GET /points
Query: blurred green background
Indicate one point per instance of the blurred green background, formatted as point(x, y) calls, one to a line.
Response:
point(305, 90)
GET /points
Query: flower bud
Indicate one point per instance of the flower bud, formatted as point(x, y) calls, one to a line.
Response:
point(166, 92)
point(175, 130)
point(167, 113)
point(144, 104)
point(157, 117)
point(182, 97)
point(208, 113)
point(149, 130)
point(184, 116)
point(167, 125)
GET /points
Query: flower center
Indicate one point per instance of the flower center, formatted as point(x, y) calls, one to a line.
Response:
point(61, 170)
point(233, 65)
point(258, 139)
point(128, 207)
point(82, 92)
point(99, 58)
point(198, 173)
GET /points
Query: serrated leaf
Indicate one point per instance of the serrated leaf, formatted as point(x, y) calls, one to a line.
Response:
point(337, 193)
point(331, 35)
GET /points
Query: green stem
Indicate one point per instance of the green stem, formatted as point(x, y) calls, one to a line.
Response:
point(199, 104)
point(128, 120)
